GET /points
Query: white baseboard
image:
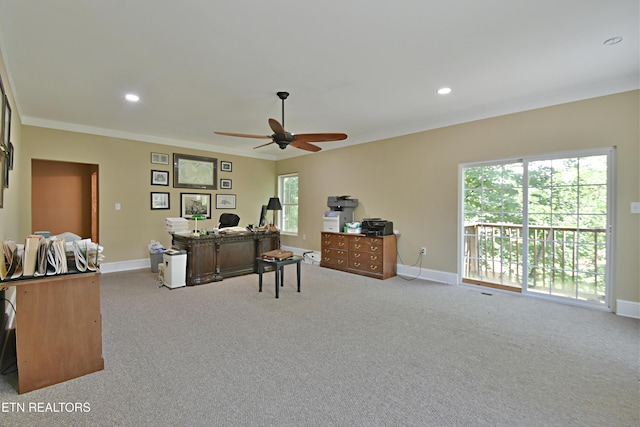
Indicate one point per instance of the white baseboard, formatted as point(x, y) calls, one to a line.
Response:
point(628, 308)
point(135, 264)
point(426, 274)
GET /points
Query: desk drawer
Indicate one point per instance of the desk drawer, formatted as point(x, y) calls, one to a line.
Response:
point(335, 257)
point(370, 257)
point(338, 241)
point(368, 246)
point(366, 266)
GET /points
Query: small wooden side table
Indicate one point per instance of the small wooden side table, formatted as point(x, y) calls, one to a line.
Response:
point(278, 267)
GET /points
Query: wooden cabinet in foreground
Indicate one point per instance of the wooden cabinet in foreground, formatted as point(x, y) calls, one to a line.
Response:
point(58, 329)
point(372, 256)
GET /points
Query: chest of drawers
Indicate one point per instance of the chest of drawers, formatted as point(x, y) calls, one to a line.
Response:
point(372, 256)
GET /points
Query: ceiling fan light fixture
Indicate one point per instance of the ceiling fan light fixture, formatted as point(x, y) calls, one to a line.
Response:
point(283, 139)
point(444, 91)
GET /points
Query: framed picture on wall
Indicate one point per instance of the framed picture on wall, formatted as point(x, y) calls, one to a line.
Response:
point(160, 158)
point(225, 184)
point(159, 177)
point(7, 122)
point(195, 204)
point(194, 172)
point(2, 166)
point(6, 170)
point(10, 156)
point(159, 200)
point(226, 166)
point(225, 201)
point(2, 137)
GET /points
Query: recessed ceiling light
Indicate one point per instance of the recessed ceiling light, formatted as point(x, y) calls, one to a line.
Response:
point(132, 97)
point(444, 90)
point(613, 40)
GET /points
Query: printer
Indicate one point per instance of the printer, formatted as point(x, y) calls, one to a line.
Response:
point(341, 213)
point(377, 227)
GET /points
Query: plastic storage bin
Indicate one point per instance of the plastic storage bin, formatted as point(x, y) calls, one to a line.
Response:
point(156, 258)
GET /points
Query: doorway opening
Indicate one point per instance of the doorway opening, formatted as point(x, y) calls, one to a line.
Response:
point(64, 198)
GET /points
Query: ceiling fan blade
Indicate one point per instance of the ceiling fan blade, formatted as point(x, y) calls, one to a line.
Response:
point(277, 128)
point(263, 145)
point(319, 137)
point(243, 135)
point(305, 146)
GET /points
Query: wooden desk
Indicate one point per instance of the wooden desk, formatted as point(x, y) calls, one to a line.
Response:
point(211, 258)
point(58, 329)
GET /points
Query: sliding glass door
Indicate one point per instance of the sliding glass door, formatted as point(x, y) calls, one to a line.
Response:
point(539, 225)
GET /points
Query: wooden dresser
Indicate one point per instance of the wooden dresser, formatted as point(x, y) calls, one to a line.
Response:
point(372, 256)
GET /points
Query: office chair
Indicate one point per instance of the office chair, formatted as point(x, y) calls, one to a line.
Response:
point(228, 220)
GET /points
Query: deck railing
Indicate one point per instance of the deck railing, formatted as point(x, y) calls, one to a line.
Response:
point(570, 259)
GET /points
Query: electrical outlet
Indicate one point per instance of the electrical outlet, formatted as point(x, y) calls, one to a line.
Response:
point(423, 251)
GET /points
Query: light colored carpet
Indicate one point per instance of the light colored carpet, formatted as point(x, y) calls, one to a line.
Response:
point(346, 351)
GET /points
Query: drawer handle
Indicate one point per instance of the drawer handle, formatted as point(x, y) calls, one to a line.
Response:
point(340, 261)
point(356, 255)
point(374, 248)
point(374, 267)
point(357, 246)
point(327, 251)
point(374, 257)
point(357, 264)
point(327, 258)
point(341, 244)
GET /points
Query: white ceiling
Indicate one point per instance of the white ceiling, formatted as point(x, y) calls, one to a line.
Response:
point(369, 68)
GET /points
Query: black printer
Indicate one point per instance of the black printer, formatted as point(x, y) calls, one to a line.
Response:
point(377, 227)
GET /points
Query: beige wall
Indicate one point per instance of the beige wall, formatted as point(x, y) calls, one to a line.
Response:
point(124, 169)
point(413, 180)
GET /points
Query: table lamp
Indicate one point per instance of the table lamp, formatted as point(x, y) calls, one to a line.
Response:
point(196, 218)
point(274, 205)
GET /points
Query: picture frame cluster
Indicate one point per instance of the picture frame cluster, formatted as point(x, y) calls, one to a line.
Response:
point(193, 173)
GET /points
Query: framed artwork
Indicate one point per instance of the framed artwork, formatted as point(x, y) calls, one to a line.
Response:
point(2, 113)
point(2, 167)
point(225, 184)
point(159, 200)
point(194, 172)
point(159, 177)
point(10, 156)
point(195, 204)
point(160, 158)
point(225, 201)
point(226, 166)
point(5, 168)
point(7, 122)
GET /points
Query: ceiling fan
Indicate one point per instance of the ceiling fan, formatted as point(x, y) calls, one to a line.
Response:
point(284, 138)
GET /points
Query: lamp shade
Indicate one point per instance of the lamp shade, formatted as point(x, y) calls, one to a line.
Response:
point(274, 204)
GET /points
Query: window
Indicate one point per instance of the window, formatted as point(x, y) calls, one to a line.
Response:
point(288, 193)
